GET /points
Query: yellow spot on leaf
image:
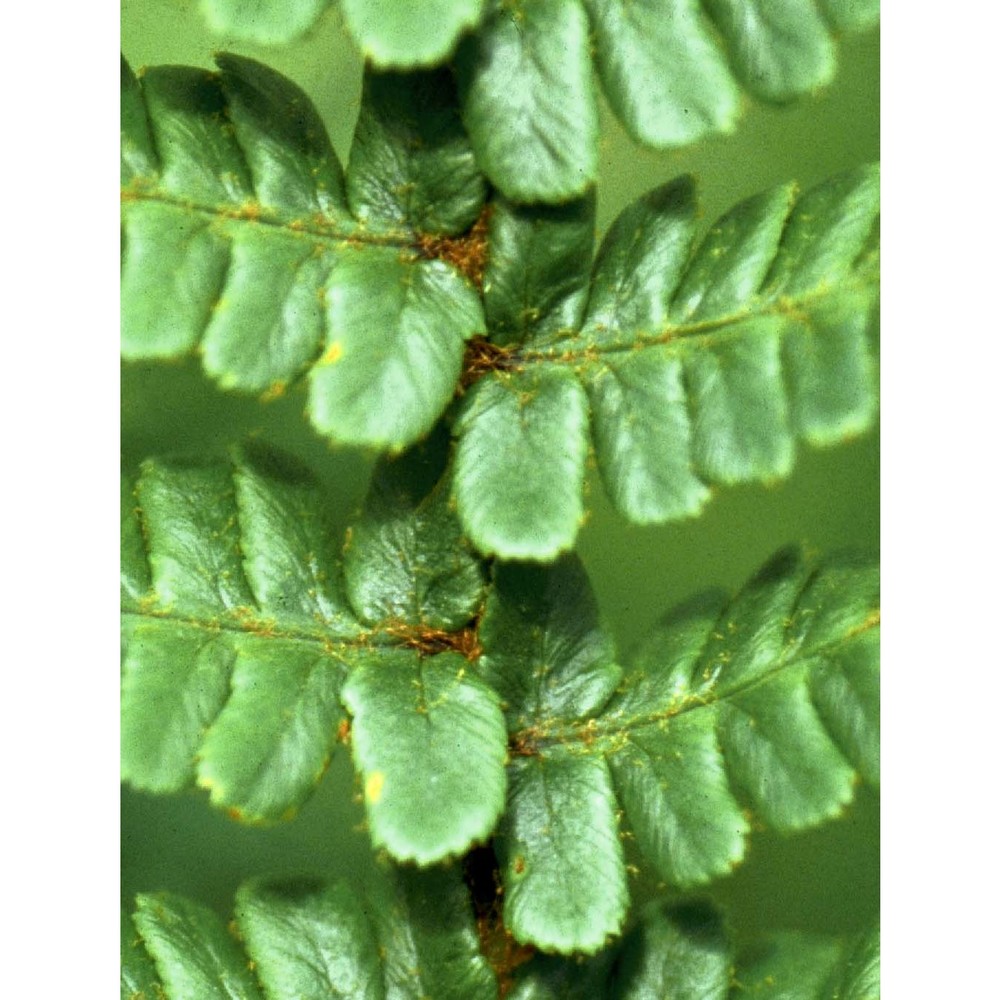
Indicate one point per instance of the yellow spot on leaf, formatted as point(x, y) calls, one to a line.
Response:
point(373, 786)
point(333, 353)
point(274, 391)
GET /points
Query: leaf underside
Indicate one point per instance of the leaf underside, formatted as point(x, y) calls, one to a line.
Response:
point(410, 935)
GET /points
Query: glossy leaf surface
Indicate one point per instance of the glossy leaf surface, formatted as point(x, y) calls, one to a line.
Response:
point(714, 725)
point(407, 33)
point(265, 22)
point(529, 99)
point(673, 71)
point(700, 364)
point(408, 936)
point(429, 740)
point(520, 463)
point(245, 656)
point(241, 242)
point(682, 952)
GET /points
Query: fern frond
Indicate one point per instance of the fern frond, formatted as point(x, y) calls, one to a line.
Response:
point(682, 951)
point(244, 643)
point(761, 709)
point(138, 974)
point(404, 34)
point(411, 935)
point(672, 71)
point(802, 967)
point(409, 33)
point(529, 99)
point(697, 366)
point(264, 22)
point(244, 639)
point(243, 241)
point(693, 366)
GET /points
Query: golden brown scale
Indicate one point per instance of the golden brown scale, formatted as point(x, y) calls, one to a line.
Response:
point(482, 357)
point(524, 743)
point(504, 954)
point(501, 950)
point(430, 641)
point(467, 253)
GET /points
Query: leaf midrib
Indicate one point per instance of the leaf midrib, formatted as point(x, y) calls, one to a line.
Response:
point(253, 213)
point(598, 734)
point(790, 308)
point(268, 629)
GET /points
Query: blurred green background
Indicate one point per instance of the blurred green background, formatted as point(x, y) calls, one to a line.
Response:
point(825, 880)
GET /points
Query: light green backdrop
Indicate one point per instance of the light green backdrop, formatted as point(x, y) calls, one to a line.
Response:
point(823, 880)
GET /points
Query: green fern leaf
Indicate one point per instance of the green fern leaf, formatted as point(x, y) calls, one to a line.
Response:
point(537, 274)
point(769, 702)
point(396, 335)
point(405, 558)
point(195, 955)
point(435, 716)
point(402, 35)
point(240, 242)
point(755, 339)
point(409, 33)
point(263, 21)
point(682, 952)
point(135, 580)
point(801, 967)
point(248, 645)
point(242, 652)
point(564, 871)
point(558, 844)
point(138, 974)
point(663, 71)
point(138, 156)
point(411, 166)
point(522, 448)
point(307, 939)
point(428, 938)
point(700, 366)
point(530, 101)
point(776, 50)
point(242, 577)
point(857, 976)
point(537, 615)
point(411, 935)
point(672, 71)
